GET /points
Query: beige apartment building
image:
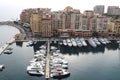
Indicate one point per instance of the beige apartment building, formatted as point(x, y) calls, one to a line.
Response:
point(40, 22)
point(114, 28)
point(117, 27)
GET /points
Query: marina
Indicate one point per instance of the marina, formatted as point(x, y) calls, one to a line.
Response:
point(83, 61)
point(48, 62)
point(60, 40)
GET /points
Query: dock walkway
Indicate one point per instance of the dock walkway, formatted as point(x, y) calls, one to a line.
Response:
point(9, 42)
point(47, 68)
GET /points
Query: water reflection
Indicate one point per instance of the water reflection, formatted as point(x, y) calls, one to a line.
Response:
point(112, 46)
point(20, 44)
point(37, 45)
point(82, 50)
point(62, 78)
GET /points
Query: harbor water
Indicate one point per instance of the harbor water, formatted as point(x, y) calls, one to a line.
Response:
point(86, 63)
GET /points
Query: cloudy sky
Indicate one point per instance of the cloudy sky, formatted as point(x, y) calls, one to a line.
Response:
point(11, 9)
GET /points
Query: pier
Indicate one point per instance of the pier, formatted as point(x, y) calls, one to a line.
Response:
point(4, 47)
point(47, 68)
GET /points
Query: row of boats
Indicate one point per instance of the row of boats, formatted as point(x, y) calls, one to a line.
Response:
point(94, 42)
point(58, 66)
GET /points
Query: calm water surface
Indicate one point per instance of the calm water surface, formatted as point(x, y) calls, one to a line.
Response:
point(102, 63)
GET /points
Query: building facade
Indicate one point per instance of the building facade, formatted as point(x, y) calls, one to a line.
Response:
point(99, 9)
point(57, 21)
point(67, 22)
point(117, 28)
point(40, 22)
point(113, 10)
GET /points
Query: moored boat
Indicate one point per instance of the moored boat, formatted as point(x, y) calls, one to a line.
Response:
point(59, 73)
point(83, 42)
point(73, 42)
point(102, 41)
point(79, 44)
point(69, 42)
point(106, 40)
point(36, 72)
point(64, 42)
point(7, 51)
point(92, 43)
point(96, 41)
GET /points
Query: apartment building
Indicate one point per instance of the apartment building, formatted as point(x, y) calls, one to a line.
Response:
point(117, 27)
point(25, 15)
point(40, 22)
point(99, 9)
point(68, 22)
point(113, 10)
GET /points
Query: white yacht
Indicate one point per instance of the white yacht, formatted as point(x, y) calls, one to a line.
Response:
point(73, 42)
point(60, 61)
point(36, 72)
point(64, 62)
point(96, 41)
point(39, 59)
point(1, 67)
point(60, 42)
point(102, 41)
point(56, 55)
point(7, 51)
point(40, 63)
point(30, 43)
point(79, 44)
point(92, 43)
point(40, 55)
point(83, 42)
point(118, 41)
point(35, 66)
point(43, 47)
point(69, 42)
point(59, 72)
point(64, 42)
point(64, 66)
point(53, 47)
point(106, 40)
point(41, 51)
point(37, 52)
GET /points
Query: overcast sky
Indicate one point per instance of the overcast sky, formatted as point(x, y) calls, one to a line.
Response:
point(11, 9)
